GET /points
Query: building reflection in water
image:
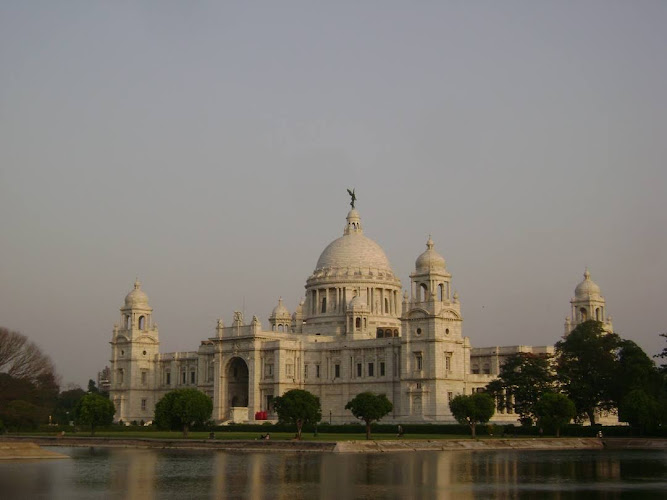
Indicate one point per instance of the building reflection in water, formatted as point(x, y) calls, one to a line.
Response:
point(146, 474)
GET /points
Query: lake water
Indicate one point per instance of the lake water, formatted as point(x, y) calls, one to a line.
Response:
point(190, 474)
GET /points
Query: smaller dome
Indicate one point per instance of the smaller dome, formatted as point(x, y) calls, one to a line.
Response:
point(280, 310)
point(430, 259)
point(357, 304)
point(137, 297)
point(587, 287)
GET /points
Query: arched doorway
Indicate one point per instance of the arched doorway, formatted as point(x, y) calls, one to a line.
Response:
point(237, 383)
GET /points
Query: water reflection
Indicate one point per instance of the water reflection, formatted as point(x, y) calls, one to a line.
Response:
point(145, 474)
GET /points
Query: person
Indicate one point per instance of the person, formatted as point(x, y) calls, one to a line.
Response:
point(600, 434)
point(400, 430)
point(267, 437)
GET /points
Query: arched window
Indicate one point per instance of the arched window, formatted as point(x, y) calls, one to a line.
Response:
point(358, 322)
point(584, 315)
point(142, 322)
point(597, 314)
point(441, 292)
point(396, 332)
point(423, 292)
point(281, 328)
point(324, 305)
point(127, 322)
point(380, 333)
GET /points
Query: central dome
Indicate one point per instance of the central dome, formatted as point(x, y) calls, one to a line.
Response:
point(353, 250)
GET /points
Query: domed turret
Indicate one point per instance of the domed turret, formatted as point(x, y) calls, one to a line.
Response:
point(357, 304)
point(137, 297)
point(280, 311)
point(430, 259)
point(588, 304)
point(587, 287)
point(280, 318)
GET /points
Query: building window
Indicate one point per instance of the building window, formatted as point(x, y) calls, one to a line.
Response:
point(121, 376)
point(358, 369)
point(305, 371)
point(448, 362)
point(144, 376)
point(142, 322)
point(183, 377)
point(371, 370)
point(475, 369)
point(450, 396)
point(381, 368)
point(289, 370)
point(317, 371)
point(358, 323)
point(324, 305)
point(419, 360)
point(336, 370)
point(168, 378)
point(380, 333)
point(143, 404)
point(192, 377)
point(268, 370)
point(487, 369)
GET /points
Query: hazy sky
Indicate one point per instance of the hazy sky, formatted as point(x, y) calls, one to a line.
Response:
point(205, 147)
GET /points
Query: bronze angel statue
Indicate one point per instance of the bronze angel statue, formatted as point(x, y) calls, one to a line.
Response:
point(353, 197)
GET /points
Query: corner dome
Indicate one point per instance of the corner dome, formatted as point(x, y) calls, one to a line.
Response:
point(587, 287)
point(430, 259)
point(137, 297)
point(357, 304)
point(353, 250)
point(280, 311)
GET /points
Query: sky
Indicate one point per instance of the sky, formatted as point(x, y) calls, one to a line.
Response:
point(206, 148)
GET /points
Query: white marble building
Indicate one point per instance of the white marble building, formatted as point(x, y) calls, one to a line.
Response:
point(353, 332)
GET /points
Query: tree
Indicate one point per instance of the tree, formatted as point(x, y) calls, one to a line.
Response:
point(370, 408)
point(524, 377)
point(181, 408)
point(94, 410)
point(635, 370)
point(65, 405)
point(663, 355)
point(471, 410)
point(21, 358)
point(641, 410)
point(554, 410)
point(585, 363)
point(92, 387)
point(298, 407)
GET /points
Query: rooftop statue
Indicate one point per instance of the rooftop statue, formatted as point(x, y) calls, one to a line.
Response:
point(353, 196)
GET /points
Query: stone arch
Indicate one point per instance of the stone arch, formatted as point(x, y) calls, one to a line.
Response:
point(237, 382)
point(142, 322)
point(423, 292)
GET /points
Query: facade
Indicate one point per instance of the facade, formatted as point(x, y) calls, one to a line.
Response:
point(353, 332)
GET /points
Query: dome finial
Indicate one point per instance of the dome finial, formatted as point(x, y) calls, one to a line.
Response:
point(137, 283)
point(429, 243)
point(587, 274)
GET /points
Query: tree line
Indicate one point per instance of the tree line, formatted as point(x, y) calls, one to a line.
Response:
point(30, 390)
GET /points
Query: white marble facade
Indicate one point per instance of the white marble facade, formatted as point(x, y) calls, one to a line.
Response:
point(353, 332)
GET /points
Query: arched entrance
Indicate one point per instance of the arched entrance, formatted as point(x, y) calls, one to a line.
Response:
point(237, 383)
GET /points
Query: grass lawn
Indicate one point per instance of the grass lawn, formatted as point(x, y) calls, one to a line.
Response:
point(306, 436)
